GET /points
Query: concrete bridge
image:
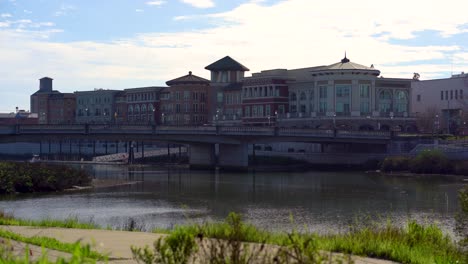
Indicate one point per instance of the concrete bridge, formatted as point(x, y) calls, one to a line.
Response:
point(232, 142)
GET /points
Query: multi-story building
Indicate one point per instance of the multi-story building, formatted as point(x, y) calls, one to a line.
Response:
point(120, 108)
point(143, 105)
point(441, 104)
point(226, 77)
point(343, 95)
point(19, 117)
point(186, 101)
point(95, 106)
point(51, 106)
point(61, 108)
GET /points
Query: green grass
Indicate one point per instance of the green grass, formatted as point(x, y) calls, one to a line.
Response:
point(52, 243)
point(413, 243)
point(6, 219)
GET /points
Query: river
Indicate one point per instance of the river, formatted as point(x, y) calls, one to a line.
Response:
point(317, 201)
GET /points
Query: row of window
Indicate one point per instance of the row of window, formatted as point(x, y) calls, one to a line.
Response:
point(262, 111)
point(187, 108)
point(452, 93)
point(136, 109)
point(185, 95)
point(93, 112)
point(95, 100)
point(261, 91)
point(232, 98)
point(141, 97)
point(183, 119)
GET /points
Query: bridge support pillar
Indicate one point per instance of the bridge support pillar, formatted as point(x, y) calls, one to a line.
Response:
point(202, 156)
point(233, 157)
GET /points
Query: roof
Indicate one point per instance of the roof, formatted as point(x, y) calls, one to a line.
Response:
point(226, 64)
point(45, 78)
point(144, 89)
point(188, 79)
point(346, 65)
point(45, 92)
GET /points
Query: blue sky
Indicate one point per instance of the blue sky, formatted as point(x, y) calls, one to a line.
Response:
point(117, 44)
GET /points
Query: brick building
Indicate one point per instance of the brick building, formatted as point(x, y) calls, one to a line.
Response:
point(186, 101)
point(143, 105)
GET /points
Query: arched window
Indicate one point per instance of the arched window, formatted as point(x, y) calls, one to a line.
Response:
point(401, 101)
point(137, 110)
point(303, 96)
point(130, 110)
point(143, 109)
point(292, 96)
point(385, 101)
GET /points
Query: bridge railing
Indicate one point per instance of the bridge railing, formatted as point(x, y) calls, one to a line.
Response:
point(267, 131)
point(363, 134)
point(51, 129)
point(306, 132)
point(119, 129)
point(185, 130)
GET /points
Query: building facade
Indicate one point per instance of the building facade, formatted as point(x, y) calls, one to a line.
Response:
point(343, 95)
point(143, 105)
point(186, 101)
point(226, 84)
point(441, 105)
point(95, 106)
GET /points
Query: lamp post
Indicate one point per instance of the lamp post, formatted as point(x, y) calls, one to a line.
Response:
point(152, 116)
point(162, 118)
point(269, 120)
point(334, 120)
point(391, 121)
point(115, 117)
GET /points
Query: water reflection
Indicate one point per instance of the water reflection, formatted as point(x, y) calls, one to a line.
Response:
point(322, 201)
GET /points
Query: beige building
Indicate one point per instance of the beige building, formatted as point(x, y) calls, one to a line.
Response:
point(343, 95)
point(442, 104)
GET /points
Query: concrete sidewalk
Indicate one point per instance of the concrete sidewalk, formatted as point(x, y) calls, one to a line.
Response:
point(116, 243)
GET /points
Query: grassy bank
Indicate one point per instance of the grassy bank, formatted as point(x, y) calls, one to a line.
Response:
point(413, 243)
point(38, 177)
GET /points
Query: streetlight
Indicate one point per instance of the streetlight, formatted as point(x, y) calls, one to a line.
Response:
point(268, 120)
point(162, 118)
point(152, 117)
point(391, 121)
point(334, 121)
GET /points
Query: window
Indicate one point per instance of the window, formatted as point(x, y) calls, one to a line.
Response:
point(293, 108)
point(303, 109)
point(418, 97)
point(364, 90)
point(281, 109)
point(220, 97)
point(323, 107)
point(441, 95)
point(187, 108)
point(303, 96)
point(446, 95)
point(364, 107)
point(323, 91)
point(401, 101)
point(260, 110)
point(385, 101)
point(247, 111)
point(177, 108)
point(186, 95)
point(292, 96)
point(267, 110)
point(195, 108)
point(451, 94)
point(343, 90)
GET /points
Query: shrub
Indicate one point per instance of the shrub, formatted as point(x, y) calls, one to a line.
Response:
point(430, 161)
point(29, 177)
point(398, 163)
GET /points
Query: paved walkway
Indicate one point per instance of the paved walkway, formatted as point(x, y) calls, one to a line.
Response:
point(115, 243)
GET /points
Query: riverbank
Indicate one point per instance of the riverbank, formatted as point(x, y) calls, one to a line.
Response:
point(384, 243)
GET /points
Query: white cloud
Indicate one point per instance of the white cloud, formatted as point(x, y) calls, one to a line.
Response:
point(5, 15)
point(64, 10)
point(139, 10)
point(290, 34)
point(156, 3)
point(27, 11)
point(200, 3)
point(178, 18)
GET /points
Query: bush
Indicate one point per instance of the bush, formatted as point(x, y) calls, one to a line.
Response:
point(34, 177)
point(395, 164)
point(430, 161)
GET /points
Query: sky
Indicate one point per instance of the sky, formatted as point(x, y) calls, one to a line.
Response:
point(117, 44)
